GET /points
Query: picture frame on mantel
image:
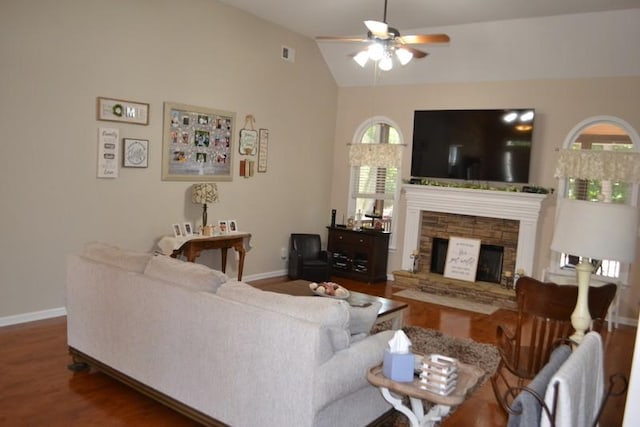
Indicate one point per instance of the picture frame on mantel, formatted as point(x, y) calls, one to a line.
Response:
point(197, 143)
point(121, 110)
point(462, 258)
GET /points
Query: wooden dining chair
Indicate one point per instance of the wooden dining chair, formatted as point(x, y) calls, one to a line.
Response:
point(544, 320)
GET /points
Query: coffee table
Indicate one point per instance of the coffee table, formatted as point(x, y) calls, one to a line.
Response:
point(390, 310)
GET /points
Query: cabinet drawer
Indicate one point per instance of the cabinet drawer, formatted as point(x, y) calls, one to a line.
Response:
point(347, 238)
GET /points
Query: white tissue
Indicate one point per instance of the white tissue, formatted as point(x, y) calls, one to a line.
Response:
point(400, 343)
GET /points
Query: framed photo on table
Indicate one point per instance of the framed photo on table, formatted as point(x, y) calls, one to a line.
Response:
point(223, 226)
point(188, 229)
point(197, 143)
point(232, 225)
point(177, 231)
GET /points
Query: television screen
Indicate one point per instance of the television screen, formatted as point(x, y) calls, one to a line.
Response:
point(478, 145)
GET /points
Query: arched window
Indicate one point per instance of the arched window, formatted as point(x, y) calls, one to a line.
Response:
point(586, 176)
point(375, 173)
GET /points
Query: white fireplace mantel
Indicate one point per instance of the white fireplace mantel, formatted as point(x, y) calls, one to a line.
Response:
point(523, 207)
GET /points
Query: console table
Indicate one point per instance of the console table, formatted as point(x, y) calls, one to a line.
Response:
point(360, 255)
point(192, 247)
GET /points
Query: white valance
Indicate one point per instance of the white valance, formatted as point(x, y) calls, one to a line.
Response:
point(621, 166)
point(377, 155)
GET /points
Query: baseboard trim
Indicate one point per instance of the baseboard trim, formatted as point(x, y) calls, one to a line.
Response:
point(628, 321)
point(268, 275)
point(33, 316)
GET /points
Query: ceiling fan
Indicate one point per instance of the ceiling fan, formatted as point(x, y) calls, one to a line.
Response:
point(385, 41)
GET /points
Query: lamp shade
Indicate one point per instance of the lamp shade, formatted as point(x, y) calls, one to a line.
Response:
point(204, 193)
point(596, 230)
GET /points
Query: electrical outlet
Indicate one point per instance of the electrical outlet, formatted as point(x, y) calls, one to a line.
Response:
point(283, 253)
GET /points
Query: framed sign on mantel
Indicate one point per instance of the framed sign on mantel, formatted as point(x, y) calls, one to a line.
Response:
point(462, 259)
point(197, 143)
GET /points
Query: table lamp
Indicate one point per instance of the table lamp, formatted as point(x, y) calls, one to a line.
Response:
point(202, 194)
point(595, 230)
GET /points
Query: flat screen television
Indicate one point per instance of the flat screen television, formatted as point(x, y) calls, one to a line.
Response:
point(474, 145)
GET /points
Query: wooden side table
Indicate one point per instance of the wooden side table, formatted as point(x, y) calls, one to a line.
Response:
point(192, 248)
point(468, 376)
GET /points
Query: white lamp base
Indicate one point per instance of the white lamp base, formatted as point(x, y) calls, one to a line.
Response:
point(581, 318)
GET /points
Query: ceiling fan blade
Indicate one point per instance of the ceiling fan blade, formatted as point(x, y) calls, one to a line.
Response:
point(417, 53)
point(341, 39)
point(378, 29)
point(424, 39)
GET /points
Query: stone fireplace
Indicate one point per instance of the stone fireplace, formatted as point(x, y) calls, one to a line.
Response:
point(505, 222)
point(499, 239)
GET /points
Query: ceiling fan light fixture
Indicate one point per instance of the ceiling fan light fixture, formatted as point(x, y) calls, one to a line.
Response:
point(403, 55)
point(361, 58)
point(385, 63)
point(377, 28)
point(376, 51)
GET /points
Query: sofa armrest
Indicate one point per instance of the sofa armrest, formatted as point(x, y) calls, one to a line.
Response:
point(346, 371)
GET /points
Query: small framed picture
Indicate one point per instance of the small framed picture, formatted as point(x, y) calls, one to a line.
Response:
point(177, 231)
point(135, 153)
point(223, 225)
point(188, 229)
point(233, 225)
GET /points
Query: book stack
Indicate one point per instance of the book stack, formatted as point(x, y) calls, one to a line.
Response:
point(439, 374)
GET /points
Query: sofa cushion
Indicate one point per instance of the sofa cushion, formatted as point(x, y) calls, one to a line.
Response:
point(116, 257)
point(189, 275)
point(331, 314)
point(361, 319)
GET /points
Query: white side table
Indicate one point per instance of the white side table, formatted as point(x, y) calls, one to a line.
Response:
point(392, 391)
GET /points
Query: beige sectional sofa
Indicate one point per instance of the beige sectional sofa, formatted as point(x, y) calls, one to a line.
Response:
point(220, 351)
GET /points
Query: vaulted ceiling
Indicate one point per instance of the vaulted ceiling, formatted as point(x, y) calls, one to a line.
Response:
point(490, 39)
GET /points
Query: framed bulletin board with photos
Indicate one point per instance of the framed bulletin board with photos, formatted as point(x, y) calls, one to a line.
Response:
point(197, 143)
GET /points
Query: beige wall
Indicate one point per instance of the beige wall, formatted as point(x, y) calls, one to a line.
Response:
point(56, 57)
point(559, 104)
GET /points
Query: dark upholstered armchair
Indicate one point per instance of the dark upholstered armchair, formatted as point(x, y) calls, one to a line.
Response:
point(307, 260)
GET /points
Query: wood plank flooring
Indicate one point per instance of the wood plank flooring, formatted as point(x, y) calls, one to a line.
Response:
point(36, 389)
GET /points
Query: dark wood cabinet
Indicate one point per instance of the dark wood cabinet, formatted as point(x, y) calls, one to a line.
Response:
point(360, 255)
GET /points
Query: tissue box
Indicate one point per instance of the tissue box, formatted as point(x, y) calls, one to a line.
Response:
point(398, 366)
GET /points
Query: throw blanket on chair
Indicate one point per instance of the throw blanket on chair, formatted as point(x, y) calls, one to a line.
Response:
point(577, 387)
point(527, 406)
